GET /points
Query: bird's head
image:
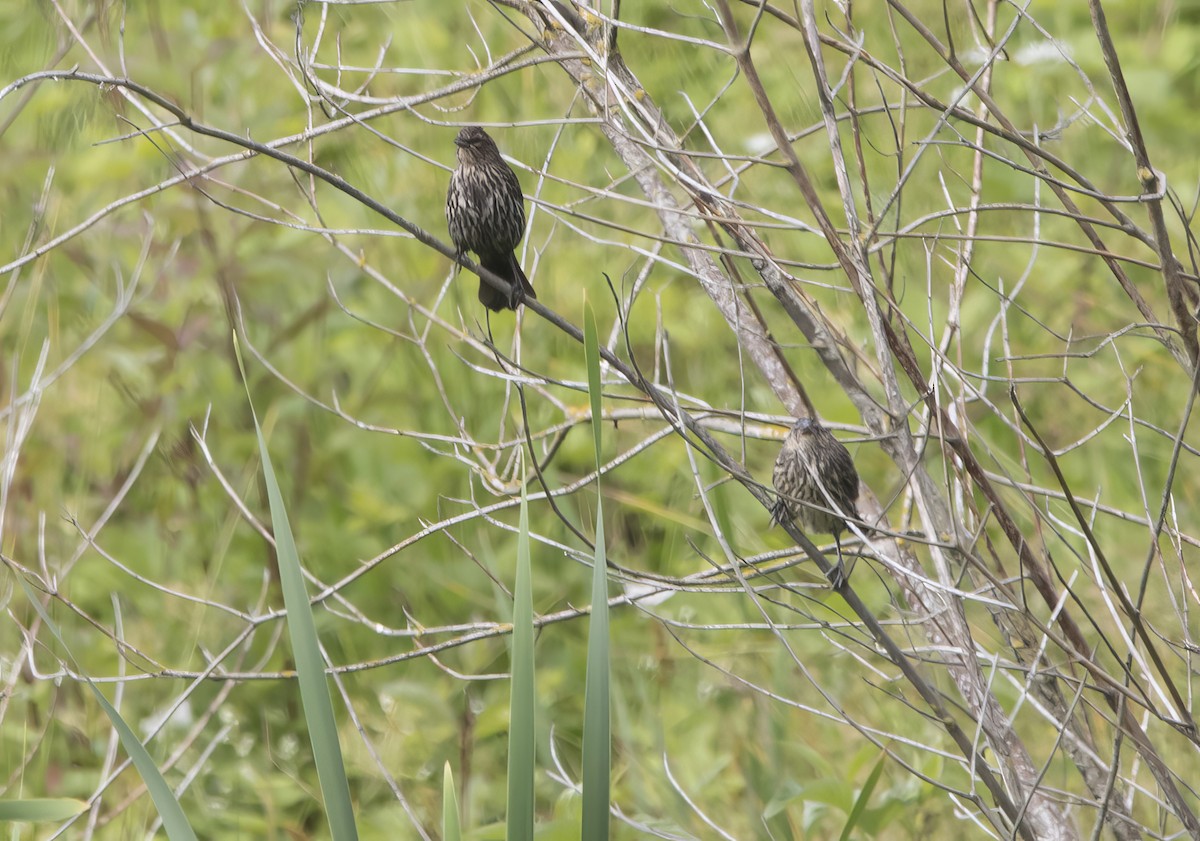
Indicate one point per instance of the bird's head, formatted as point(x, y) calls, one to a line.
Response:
point(475, 145)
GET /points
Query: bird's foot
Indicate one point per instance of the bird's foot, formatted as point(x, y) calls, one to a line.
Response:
point(839, 577)
point(778, 512)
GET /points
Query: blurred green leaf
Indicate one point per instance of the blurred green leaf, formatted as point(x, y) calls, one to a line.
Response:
point(43, 809)
point(450, 825)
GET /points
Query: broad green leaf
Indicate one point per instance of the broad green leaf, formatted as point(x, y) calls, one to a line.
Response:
point(597, 717)
point(521, 745)
point(310, 664)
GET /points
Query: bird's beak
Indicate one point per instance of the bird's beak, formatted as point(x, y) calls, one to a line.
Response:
point(460, 143)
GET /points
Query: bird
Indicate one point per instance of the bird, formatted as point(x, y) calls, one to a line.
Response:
point(815, 479)
point(485, 210)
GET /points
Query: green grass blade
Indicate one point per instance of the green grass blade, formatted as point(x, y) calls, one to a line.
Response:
point(451, 831)
point(597, 717)
point(41, 809)
point(310, 664)
point(175, 823)
point(864, 798)
point(521, 706)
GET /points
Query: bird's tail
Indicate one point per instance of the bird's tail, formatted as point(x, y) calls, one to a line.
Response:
point(507, 267)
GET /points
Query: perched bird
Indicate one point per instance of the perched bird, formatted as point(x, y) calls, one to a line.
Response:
point(486, 213)
point(815, 477)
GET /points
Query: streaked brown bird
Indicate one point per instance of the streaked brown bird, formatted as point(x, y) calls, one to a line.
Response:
point(486, 213)
point(815, 477)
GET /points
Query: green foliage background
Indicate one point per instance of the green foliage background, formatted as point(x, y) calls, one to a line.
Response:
point(173, 561)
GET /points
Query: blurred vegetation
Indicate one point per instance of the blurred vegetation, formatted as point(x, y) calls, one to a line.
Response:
point(162, 278)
